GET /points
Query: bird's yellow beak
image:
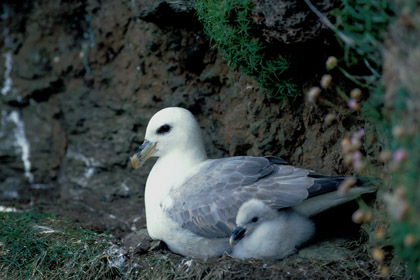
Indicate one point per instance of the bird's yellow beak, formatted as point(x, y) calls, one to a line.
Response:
point(146, 150)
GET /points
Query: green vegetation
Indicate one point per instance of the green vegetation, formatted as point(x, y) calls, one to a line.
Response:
point(392, 106)
point(404, 201)
point(361, 29)
point(228, 24)
point(40, 246)
point(365, 23)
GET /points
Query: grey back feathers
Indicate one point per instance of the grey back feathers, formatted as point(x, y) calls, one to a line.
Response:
point(221, 186)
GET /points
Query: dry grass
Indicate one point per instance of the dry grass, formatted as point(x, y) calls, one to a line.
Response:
point(348, 259)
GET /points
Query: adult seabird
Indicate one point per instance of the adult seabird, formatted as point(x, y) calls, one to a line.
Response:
point(192, 202)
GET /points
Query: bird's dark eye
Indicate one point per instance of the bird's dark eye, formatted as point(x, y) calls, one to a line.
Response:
point(163, 129)
point(254, 220)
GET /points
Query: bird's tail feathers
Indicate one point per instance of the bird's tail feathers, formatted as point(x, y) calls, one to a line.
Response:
point(320, 203)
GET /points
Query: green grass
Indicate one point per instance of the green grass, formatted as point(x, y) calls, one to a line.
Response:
point(407, 176)
point(366, 24)
point(229, 25)
point(41, 246)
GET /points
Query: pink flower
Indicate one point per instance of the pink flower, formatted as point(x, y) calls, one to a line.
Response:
point(313, 94)
point(353, 104)
point(400, 155)
point(357, 156)
point(331, 62)
point(357, 136)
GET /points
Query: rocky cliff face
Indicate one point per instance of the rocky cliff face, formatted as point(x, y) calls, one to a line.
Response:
point(80, 81)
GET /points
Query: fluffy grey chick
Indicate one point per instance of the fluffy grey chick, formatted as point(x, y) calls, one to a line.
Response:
point(266, 233)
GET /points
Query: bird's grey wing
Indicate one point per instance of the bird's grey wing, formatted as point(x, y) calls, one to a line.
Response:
point(276, 160)
point(208, 201)
point(324, 183)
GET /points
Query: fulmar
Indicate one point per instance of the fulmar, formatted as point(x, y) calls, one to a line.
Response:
point(192, 201)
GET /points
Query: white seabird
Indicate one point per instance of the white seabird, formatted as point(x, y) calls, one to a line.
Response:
point(192, 202)
point(266, 233)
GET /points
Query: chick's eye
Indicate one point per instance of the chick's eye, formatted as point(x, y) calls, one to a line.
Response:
point(254, 220)
point(163, 129)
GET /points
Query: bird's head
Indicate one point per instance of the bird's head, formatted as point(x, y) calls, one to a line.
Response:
point(171, 129)
point(250, 215)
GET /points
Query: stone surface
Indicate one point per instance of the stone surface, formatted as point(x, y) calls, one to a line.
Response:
point(290, 22)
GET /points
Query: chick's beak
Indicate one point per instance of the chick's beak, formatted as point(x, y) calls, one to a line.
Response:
point(146, 150)
point(237, 235)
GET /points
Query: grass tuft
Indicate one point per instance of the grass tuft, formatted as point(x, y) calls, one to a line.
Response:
point(365, 23)
point(229, 25)
point(41, 246)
